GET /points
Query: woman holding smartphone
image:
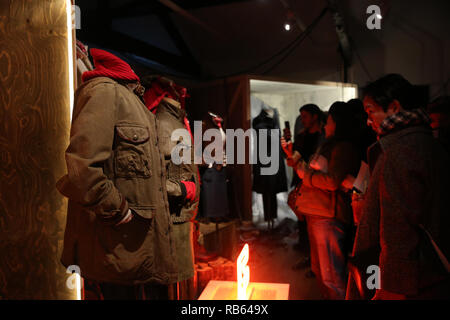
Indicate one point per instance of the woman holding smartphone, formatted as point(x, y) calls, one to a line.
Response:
point(326, 202)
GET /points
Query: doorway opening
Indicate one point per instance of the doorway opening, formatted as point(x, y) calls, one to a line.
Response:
point(286, 98)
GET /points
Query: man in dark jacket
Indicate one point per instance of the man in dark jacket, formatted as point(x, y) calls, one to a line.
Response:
point(309, 139)
point(304, 146)
point(119, 231)
point(408, 191)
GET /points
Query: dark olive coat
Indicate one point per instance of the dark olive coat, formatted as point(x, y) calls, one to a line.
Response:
point(114, 163)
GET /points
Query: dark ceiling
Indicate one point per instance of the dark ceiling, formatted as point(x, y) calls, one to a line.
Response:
point(210, 39)
point(144, 31)
point(205, 38)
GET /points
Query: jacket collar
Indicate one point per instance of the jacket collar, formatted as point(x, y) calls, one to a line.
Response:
point(389, 139)
point(173, 107)
point(376, 149)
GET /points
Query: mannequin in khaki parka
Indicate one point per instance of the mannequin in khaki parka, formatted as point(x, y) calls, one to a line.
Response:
point(171, 116)
point(116, 170)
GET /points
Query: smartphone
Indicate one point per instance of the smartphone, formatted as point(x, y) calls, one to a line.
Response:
point(287, 131)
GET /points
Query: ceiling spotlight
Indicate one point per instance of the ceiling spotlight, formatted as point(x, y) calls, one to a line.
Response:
point(287, 26)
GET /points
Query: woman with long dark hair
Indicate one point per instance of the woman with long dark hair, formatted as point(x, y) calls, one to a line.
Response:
point(326, 203)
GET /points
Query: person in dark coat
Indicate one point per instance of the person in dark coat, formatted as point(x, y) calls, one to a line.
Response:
point(309, 139)
point(408, 192)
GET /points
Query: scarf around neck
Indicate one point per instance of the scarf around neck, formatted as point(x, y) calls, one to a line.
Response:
point(403, 119)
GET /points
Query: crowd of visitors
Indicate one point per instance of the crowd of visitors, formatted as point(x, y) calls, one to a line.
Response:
point(370, 193)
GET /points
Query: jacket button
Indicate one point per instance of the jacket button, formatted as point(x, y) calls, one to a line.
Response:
point(135, 137)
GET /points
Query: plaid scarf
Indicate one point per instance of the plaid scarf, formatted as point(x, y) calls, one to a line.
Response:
point(402, 120)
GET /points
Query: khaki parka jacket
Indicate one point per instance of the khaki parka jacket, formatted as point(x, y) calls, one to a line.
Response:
point(114, 164)
point(170, 118)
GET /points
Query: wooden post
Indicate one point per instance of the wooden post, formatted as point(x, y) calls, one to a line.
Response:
point(34, 133)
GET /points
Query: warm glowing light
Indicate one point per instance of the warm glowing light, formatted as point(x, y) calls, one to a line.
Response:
point(74, 281)
point(78, 283)
point(70, 53)
point(226, 290)
point(70, 24)
point(243, 274)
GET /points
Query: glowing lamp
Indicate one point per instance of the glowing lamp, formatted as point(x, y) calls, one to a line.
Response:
point(242, 289)
point(243, 274)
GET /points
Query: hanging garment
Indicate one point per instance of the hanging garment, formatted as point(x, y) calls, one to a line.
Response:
point(270, 206)
point(268, 183)
point(214, 194)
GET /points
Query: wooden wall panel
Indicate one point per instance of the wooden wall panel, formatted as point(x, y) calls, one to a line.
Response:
point(34, 133)
point(238, 94)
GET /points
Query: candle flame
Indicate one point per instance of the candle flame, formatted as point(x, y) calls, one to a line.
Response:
point(243, 274)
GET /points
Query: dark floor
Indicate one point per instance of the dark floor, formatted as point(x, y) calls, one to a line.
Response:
point(273, 255)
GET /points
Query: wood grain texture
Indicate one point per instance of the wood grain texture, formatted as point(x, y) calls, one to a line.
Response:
point(34, 133)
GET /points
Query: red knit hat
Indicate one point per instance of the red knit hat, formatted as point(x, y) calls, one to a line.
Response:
point(108, 65)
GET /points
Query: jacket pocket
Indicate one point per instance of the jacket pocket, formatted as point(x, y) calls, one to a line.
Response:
point(146, 212)
point(131, 158)
point(124, 253)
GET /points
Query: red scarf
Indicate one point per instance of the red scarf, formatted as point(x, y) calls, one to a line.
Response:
point(159, 90)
